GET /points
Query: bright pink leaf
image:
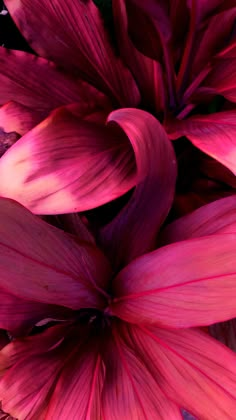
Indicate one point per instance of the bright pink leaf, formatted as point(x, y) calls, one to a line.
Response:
point(26, 388)
point(130, 391)
point(181, 285)
point(15, 117)
point(74, 37)
point(216, 217)
point(78, 388)
point(129, 235)
point(66, 165)
point(214, 134)
point(46, 265)
point(37, 84)
point(195, 372)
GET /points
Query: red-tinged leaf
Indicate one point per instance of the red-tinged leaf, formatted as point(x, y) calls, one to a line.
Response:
point(209, 7)
point(130, 391)
point(158, 11)
point(181, 285)
point(214, 134)
point(216, 217)
point(72, 223)
point(147, 72)
point(5, 416)
point(74, 37)
point(37, 84)
point(221, 80)
point(46, 265)
point(33, 345)
point(195, 372)
point(214, 37)
point(179, 12)
point(186, 60)
point(203, 40)
point(215, 171)
point(78, 388)
point(15, 117)
point(153, 16)
point(67, 165)
point(26, 388)
point(129, 235)
point(19, 316)
point(228, 52)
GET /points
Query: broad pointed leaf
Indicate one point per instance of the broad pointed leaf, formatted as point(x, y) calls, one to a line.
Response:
point(46, 265)
point(66, 165)
point(129, 235)
point(74, 37)
point(181, 285)
point(214, 134)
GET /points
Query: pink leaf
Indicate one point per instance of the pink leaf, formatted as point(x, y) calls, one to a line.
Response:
point(216, 34)
point(216, 217)
point(130, 391)
point(147, 72)
point(74, 37)
point(181, 285)
point(26, 388)
point(78, 389)
point(37, 84)
point(214, 134)
point(15, 117)
point(195, 371)
point(66, 165)
point(19, 316)
point(46, 265)
point(129, 235)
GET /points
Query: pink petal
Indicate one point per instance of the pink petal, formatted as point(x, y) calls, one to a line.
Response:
point(147, 72)
point(182, 285)
point(129, 235)
point(78, 389)
point(195, 371)
point(15, 117)
point(74, 37)
point(39, 85)
point(130, 391)
point(214, 134)
point(216, 217)
point(66, 165)
point(47, 265)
